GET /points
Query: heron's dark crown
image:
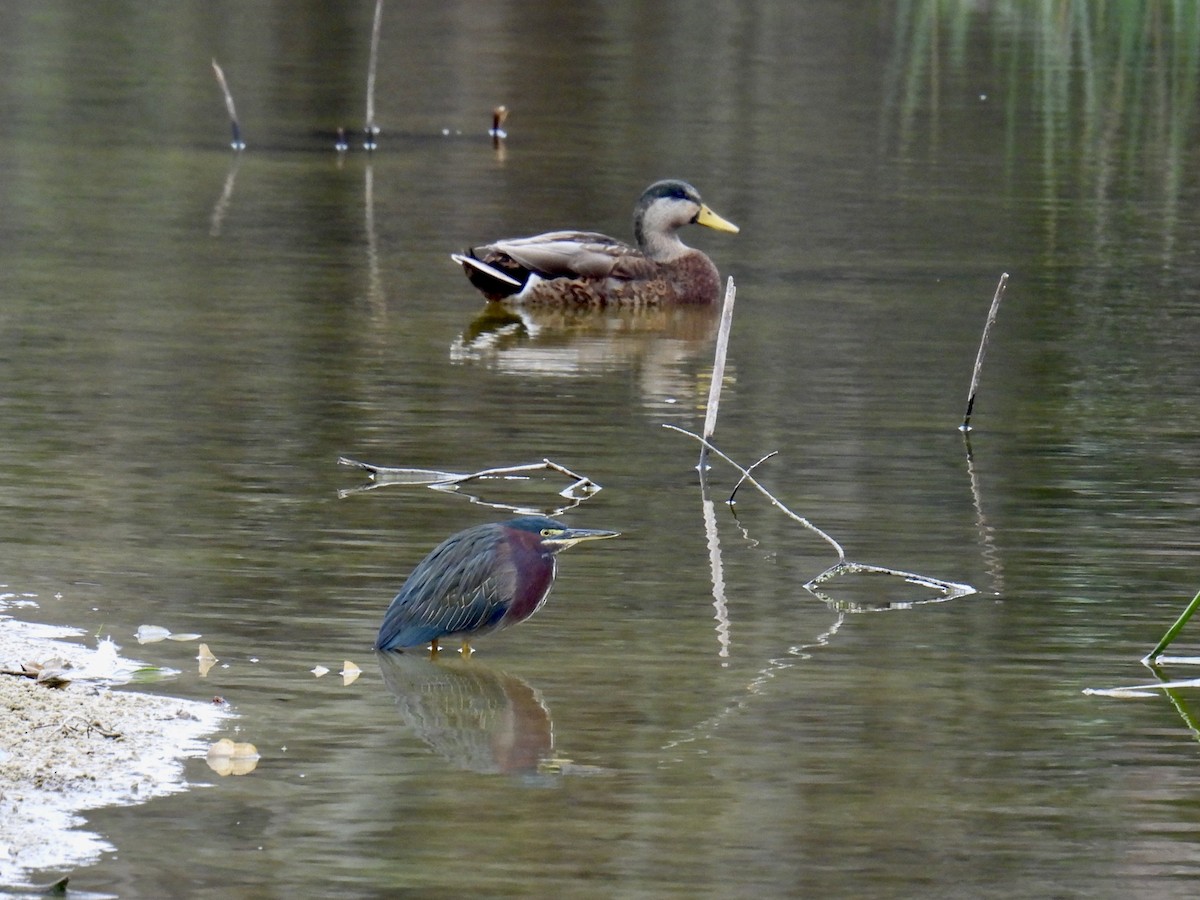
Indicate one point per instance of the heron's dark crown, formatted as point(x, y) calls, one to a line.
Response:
point(533, 523)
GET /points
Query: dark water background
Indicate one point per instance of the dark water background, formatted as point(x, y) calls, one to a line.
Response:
point(191, 338)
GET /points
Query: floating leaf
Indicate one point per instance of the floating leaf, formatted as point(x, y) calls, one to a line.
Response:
point(152, 634)
point(319, 671)
point(183, 637)
point(350, 673)
point(206, 658)
point(227, 757)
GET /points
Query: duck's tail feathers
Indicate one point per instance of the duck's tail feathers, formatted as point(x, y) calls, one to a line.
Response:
point(481, 266)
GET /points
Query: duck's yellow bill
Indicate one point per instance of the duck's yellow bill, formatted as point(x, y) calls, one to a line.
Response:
point(707, 217)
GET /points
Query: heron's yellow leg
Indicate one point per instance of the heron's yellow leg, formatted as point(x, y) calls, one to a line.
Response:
point(466, 648)
point(433, 648)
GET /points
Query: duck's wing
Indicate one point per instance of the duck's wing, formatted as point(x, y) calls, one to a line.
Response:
point(567, 254)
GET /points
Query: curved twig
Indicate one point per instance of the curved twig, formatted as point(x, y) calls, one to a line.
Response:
point(750, 468)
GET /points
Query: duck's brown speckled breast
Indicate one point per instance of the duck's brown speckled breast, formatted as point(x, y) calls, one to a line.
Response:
point(691, 280)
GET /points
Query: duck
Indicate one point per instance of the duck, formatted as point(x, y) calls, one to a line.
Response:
point(586, 269)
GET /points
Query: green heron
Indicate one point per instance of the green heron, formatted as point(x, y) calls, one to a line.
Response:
point(582, 268)
point(478, 581)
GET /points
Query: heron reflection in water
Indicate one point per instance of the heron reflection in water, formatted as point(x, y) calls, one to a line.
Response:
point(479, 719)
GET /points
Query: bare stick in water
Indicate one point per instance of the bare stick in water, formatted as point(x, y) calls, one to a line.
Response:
point(581, 485)
point(372, 130)
point(238, 143)
point(718, 374)
point(983, 342)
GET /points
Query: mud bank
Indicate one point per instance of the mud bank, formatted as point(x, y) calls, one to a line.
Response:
point(88, 744)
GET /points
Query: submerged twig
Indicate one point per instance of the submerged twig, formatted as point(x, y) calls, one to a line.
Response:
point(238, 143)
point(983, 342)
point(718, 373)
point(371, 129)
point(1172, 632)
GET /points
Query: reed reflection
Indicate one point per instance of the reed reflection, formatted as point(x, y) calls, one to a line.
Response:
point(1113, 96)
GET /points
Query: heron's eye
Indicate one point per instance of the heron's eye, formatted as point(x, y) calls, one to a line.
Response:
point(550, 532)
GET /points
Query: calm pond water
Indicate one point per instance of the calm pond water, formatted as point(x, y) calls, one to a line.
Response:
point(192, 338)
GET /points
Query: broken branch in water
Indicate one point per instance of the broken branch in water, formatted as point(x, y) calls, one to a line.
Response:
point(580, 488)
point(983, 342)
point(948, 589)
point(238, 143)
point(371, 129)
point(718, 373)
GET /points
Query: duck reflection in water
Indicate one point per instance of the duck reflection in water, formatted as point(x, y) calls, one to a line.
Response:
point(478, 718)
point(660, 343)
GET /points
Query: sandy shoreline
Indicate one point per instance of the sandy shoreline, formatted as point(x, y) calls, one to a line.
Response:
point(79, 747)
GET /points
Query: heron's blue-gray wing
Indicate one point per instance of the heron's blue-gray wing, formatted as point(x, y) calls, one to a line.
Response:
point(465, 584)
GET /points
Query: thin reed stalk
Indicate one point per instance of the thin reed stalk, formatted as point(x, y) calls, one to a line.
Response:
point(983, 342)
point(718, 373)
point(237, 143)
point(371, 128)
